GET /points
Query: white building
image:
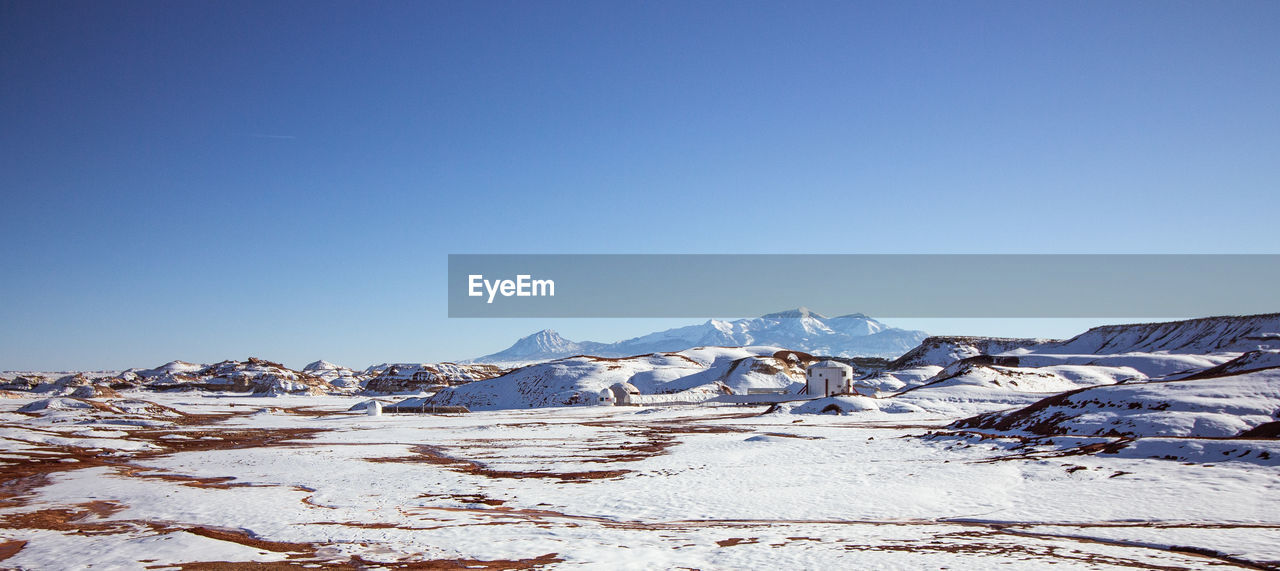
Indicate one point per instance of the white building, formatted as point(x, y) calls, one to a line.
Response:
point(624, 394)
point(826, 378)
point(605, 397)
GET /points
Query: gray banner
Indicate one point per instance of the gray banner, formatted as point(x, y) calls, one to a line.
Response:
point(925, 285)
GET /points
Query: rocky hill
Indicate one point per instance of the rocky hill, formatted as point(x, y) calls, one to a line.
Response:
point(706, 371)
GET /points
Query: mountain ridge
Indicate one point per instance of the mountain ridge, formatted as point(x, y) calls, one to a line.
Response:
point(802, 329)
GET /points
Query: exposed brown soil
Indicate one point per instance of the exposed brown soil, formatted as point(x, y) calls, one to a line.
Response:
point(74, 518)
point(10, 548)
point(1267, 430)
point(467, 498)
point(432, 455)
point(987, 544)
point(737, 541)
point(358, 563)
point(234, 566)
point(799, 436)
point(309, 411)
point(552, 518)
point(22, 477)
point(492, 564)
point(219, 439)
point(218, 482)
point(237, 536)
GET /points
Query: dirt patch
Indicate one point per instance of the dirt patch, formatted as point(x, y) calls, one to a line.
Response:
point(988, 543)
point(77, 519)
point(1267, 430)
point(13, 490)
point(550, 518)
point(217, 482)
point(10, 548)
point(24, 476)
point(309, 501)
point(243, 538)
point(431, 455)
point(799, 436)
point(467, 498)
point(491, 564)
point(21, 477)
point(310, 411)
point(358, 563)
point(236, 566)
point(700, 428)
point(219, 439)
point(737, 541)
point(647, 444)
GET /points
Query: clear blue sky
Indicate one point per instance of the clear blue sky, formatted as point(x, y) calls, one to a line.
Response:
point(210, 180)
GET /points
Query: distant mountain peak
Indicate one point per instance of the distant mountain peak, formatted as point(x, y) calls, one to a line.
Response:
point(321, 365)
point(797, 313)
point(544, 336)
point(800, 329)
point(546, 341)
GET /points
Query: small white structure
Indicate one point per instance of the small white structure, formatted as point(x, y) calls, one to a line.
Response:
point(623, 393)
point(826, 378)
point(605, 397)
point(374, 408)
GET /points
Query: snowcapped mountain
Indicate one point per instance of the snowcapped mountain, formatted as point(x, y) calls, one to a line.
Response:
point(800, 329)
point(544, 344)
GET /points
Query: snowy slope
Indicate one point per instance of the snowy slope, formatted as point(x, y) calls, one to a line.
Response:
point(941, 351)
point(1250, 361)
point(579, 380)
point(742, 375)
point(1009, 371)
point(414, 377)
point(569, 381)
point(1215, 407)
point(1192, 336)
point(921, 364)
point(253, 375)
point(981, 384)
point(336, 375)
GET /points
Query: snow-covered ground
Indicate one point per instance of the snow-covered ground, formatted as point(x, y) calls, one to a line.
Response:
point(297, 479)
